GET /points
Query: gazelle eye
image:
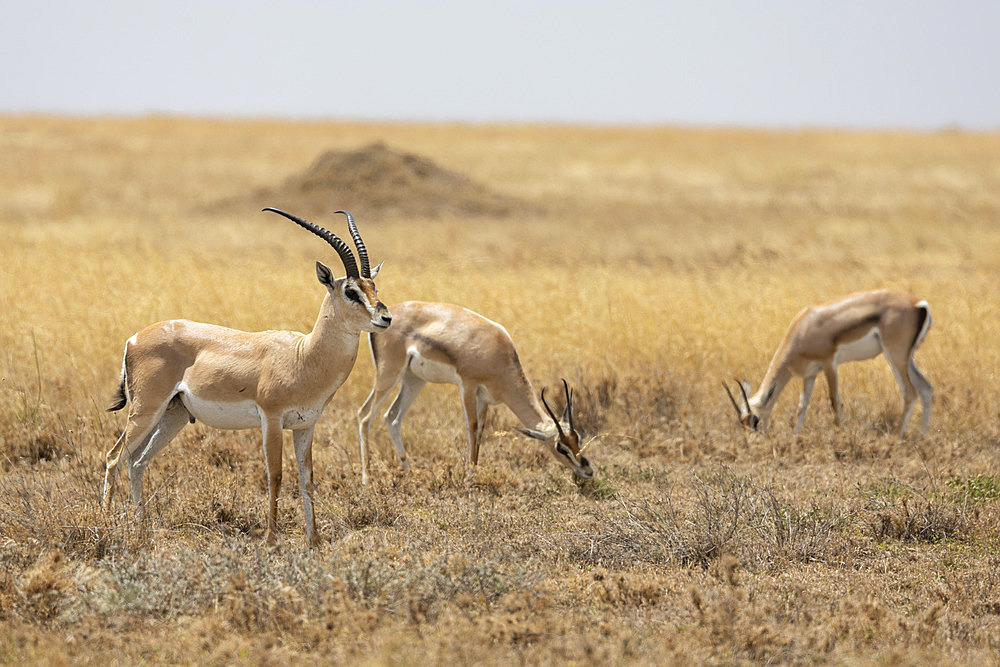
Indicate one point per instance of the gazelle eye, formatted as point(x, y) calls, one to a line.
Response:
point(353, 296)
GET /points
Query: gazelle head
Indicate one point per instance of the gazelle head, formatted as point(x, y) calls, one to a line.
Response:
point(353, 298)
point(751, 414)
point(565, 442)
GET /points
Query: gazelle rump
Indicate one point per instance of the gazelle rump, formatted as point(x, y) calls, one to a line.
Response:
point(444, 343)
point(854, 328)
point(178, 371)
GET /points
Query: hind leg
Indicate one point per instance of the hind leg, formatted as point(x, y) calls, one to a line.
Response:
point(411, 387)
point(380, 391)
point(137, 430)
point(900, 368)
point(926, 392)
point(170, 424)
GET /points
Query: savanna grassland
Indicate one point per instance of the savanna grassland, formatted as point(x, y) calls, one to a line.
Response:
point(644, 265)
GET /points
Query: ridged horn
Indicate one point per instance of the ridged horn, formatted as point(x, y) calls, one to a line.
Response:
point(346, 256)
point(552, 414)
point(569, 404)
point(366, 271)
point(745, 399)
point(739, 413)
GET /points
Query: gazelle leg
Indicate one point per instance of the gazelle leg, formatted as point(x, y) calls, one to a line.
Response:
point(174, 418)
point(900, 365)
point(371, 405)
point(926, 392)
point(807, 388)
point(271, 426)
point(302, 439)
point(481, 406)
point(830, 371)
point(409, 390)
point(137, 429)
point(470, 401)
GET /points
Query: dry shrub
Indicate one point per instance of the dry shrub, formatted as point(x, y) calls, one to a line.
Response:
point(633, 590)
point(255, 609)
point(714, 515)
point(732, 622)
point(357, 511)
point(799, 533)
point(917, 520)
point(520, 619)
point(44, 587)
point(421, 583)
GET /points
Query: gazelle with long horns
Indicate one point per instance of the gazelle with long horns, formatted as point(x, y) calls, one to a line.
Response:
point(855, 328)
point(443, 343)
point(178, 371)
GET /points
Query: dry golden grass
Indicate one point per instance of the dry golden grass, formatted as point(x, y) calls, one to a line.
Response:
point(659, 262)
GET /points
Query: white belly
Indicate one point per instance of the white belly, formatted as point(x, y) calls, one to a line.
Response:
point(221, 414)
point(238, 415)
point(432, 371)
point(867, 347)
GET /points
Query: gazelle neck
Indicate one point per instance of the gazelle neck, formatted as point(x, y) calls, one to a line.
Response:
point(525, 405)
point(777, 376)
point(331, 334)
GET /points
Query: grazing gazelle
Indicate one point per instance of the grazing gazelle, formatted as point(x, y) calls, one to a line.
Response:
point(442, 343)
point(179, 371)
point(854, 328)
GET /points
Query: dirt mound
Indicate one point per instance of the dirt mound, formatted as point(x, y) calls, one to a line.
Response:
point(377, 181)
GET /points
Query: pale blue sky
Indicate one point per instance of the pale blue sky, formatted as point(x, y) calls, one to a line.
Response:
point(783, 63)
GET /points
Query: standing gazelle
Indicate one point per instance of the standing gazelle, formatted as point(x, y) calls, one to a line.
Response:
point(179, 371)
point(442, 343)
point(854, 328)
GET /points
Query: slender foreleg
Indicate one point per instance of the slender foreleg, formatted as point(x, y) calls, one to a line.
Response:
point(830, 371)
point(302, 439)
point(807, 388)
point(469, 402)
point(271, 426)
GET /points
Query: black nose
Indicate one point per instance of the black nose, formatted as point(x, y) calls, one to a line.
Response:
point(387, 319)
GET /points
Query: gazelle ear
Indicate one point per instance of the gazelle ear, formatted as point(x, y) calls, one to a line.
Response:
point(746, 387)
point(531, 433)
point(375, 270)
point(325, 275)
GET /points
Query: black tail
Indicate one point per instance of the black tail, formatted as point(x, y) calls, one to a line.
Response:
point(922, 326)
point(120, 398)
